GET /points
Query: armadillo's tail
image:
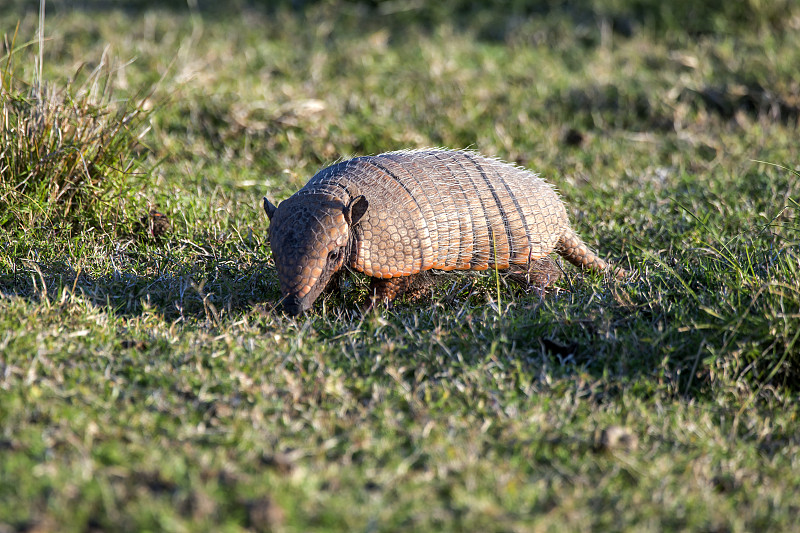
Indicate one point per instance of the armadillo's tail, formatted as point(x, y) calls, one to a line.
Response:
point(574, 250)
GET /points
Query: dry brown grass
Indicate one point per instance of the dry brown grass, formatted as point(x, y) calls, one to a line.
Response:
point(68, 152)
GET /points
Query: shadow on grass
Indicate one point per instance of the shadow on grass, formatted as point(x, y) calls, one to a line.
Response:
point(668, 328)
point(572, 331)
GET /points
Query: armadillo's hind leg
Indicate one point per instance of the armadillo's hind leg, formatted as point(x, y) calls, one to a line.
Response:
point(574, 250)
point(539, 274)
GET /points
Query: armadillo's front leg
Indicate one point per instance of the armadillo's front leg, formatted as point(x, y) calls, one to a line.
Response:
point(384, 291)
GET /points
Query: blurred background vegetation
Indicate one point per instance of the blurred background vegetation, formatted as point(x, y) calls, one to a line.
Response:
point(495, 18)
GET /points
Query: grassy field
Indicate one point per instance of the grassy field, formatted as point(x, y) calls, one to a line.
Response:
point(147, 382)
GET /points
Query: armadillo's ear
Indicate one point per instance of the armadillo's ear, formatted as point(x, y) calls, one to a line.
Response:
point(355, 210)
point(269, 208)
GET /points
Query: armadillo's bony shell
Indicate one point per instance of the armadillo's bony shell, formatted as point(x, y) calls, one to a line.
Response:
point(442, 209)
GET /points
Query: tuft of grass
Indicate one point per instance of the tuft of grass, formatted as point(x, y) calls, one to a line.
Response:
point(70, 153)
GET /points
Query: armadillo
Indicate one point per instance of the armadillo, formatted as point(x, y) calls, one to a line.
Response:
point(395, 215)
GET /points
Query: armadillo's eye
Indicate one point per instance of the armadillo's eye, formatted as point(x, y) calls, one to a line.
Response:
point(333, 255)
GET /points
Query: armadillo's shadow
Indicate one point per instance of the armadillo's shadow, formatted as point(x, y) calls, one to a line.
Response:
point(222, 290)
point(208, 291)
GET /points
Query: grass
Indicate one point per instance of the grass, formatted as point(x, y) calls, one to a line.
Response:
point(69, 153)
point(147, 383)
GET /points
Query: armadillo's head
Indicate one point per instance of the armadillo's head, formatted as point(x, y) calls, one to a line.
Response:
point(310, 239)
